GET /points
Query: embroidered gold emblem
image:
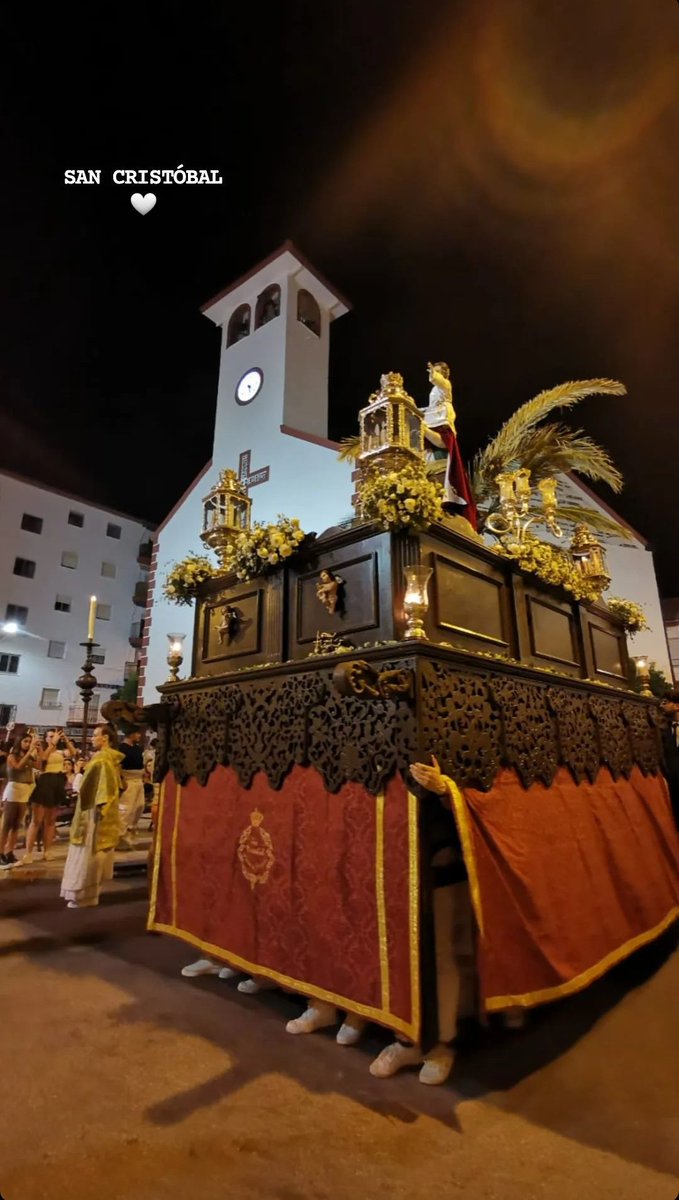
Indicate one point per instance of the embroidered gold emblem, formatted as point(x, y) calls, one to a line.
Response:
point(255, 851)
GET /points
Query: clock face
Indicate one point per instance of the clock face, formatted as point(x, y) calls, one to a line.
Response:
point(249, 385)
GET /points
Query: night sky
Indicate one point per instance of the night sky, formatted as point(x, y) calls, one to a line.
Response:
point(490, 182)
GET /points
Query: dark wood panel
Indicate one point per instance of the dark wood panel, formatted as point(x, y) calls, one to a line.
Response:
point(359, 610)
point(552, 632)
point(608, 651)
point(247, 638)
point(469, 602)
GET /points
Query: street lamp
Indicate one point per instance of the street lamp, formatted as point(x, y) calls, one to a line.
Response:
point(10, 627)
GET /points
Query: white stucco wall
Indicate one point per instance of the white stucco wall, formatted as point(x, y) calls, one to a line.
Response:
point(306, 481)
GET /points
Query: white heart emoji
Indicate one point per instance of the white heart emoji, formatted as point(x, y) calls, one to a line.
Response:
point(143, 204)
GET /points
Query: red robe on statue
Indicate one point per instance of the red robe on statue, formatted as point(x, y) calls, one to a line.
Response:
point(457, 483)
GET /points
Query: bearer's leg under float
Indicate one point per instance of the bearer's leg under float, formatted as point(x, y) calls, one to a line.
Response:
point(437, 1063)
point(320, 1015)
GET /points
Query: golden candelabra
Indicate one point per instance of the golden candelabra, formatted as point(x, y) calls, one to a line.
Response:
point(515, 518)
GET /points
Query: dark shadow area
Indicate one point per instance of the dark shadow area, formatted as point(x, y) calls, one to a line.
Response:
point(492, 1063)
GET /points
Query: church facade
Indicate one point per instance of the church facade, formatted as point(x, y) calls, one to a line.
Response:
point(270, 426)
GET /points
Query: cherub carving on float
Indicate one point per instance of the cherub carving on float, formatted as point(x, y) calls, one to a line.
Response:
point(442, 434)
point(328, 590)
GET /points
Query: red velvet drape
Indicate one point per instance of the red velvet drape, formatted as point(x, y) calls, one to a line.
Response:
point(567, 879)
point(314, 890)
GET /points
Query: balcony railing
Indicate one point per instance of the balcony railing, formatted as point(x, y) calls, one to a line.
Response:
point(76, 713)
point(136, 633)
point(144, 554)
point(141, 594)
point(51, 704)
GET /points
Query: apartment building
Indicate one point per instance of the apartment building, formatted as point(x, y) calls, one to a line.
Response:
point(58, 550)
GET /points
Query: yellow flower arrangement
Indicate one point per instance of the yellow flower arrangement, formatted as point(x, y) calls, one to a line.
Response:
point(184, 577)
point(406, 499)
point(265, 548)
point(632, 615)
point(550, 564)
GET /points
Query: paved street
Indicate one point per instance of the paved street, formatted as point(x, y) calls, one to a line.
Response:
point(121, 1079)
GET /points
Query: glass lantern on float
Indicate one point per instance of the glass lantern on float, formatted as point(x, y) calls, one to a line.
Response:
point(175, 655)
point(226, 513)
point(589, 557)
point(391, 427)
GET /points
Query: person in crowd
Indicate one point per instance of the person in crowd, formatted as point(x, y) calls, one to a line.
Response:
point(132, 802)
point(21, 764)
point(69, 772)
point(78, 777)
point(96, 823)
point(49, 793)
point(5, 747)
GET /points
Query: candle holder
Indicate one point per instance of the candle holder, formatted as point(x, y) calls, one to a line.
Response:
point(86, 683)
point(415, 600)
point(515, 494)
point(643, 671)
point(175, 655)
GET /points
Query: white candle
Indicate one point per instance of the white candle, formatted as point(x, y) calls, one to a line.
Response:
point(91, 618)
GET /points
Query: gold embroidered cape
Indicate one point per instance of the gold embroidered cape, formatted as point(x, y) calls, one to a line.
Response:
point(100, 789)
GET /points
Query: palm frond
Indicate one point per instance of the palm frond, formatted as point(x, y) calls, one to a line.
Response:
point(554, 448)
point(350, 448)
point(508, 444)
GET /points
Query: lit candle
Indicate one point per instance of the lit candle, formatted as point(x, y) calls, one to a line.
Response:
point(91, 618)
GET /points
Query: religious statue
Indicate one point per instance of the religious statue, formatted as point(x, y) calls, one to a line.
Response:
point(228, 625)
point(442, 434)
point(327, 590)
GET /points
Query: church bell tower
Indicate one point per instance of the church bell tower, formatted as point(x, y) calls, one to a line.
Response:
point(273, 373)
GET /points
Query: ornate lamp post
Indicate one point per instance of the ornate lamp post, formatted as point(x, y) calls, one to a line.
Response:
point(226, 513)
point(86, 683)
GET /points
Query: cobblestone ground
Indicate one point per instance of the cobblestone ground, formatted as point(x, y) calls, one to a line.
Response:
point(121, 1079)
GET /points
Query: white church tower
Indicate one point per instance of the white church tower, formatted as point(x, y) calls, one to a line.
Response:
point(271, 427)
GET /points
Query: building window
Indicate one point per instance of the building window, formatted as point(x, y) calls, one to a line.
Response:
point(24, 566)
point(77, 519)
point(108, 570)
point(129, 669)
point(113, 531)
point(268, 305)
point(308, 312)
point(239, 324)
point(31, 524)
point(99, 658)
point(9, 664)
point(63, 603)
point(16, 612)
point(103, 612)
point(69, 559)
point(50, 698)
point(56, 650)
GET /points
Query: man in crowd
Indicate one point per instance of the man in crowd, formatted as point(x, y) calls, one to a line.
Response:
point(132, 801)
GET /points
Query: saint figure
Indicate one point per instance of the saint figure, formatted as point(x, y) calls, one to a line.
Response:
point(458, 493)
